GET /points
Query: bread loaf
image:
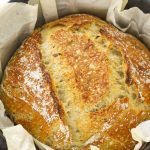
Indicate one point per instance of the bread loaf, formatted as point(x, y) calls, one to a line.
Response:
point(79, 82)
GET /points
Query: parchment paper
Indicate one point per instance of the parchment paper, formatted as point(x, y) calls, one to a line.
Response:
point(18, 20)
point(141, 133)
point(18, 139)
point(132, 20)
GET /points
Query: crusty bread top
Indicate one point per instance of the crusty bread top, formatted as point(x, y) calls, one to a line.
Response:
point(79, 81)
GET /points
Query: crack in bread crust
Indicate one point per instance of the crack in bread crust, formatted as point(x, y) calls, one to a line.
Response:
point(26, 84)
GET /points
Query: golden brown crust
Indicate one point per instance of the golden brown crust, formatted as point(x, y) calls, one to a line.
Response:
point(28, 85)
point(86, 63)
point(82, 82)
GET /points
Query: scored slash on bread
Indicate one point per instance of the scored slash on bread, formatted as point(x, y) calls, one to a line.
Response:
point(79, 81)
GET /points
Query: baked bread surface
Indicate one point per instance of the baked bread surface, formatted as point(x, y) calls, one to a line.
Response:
point(79, 82)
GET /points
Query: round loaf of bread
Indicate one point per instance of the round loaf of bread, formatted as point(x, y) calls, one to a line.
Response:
point(79, 82)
